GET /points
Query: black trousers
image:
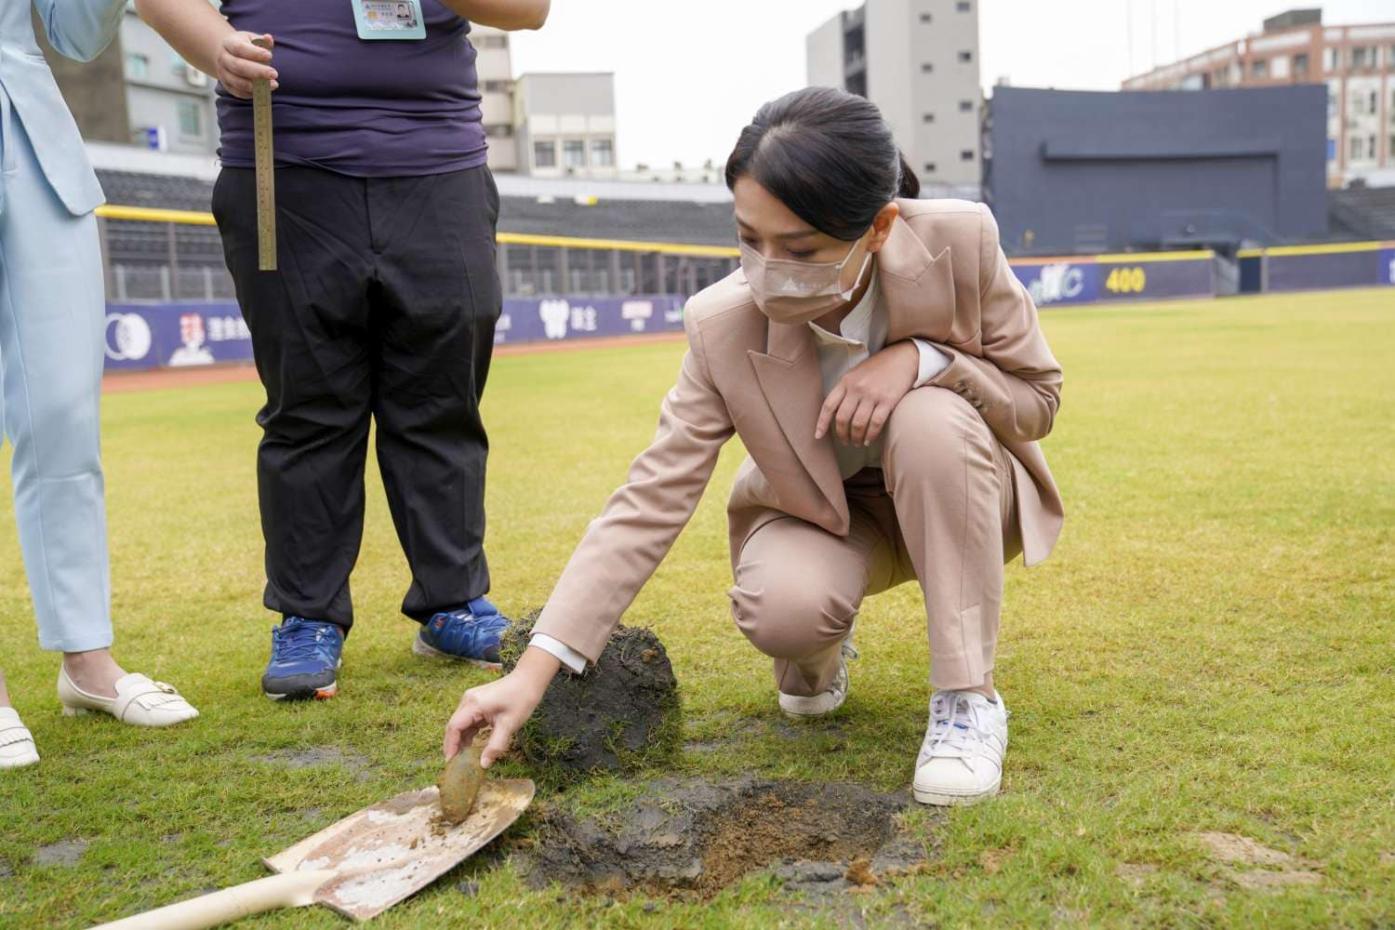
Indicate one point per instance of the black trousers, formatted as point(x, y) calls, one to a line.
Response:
point(383, 310)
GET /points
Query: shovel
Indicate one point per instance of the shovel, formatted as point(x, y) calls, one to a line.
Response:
point(360, 866)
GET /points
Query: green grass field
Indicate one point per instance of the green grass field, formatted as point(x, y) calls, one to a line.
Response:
point(1211, 649)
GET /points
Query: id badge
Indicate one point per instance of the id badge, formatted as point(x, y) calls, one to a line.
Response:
point(389, 19)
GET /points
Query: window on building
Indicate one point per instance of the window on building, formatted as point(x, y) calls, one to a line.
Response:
point(1372, 149)
point(966, 155)
point(1300, 66)
point(926, 67)
point(1354, 147)
point(966, 56)
point(1331, 149)
point(137, 66)
point(1390, 57)
point(926, 18)
point(603, 153)
point(498, 130)
point(928, 118)
point(495, 87)
point(1373, 105)
point(574, 153)
point(1259, 68)
point(966, 106)
point(545, 154)
point(929, 167)
point(1363, 56)
point(1278, 67)
point(1329, 60)
point(962, 6)
point(190, 119)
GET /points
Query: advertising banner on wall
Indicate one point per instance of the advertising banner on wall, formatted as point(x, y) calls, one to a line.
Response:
point(551, 319)
point(1054, 282)
point(175, 335)
point(142, 336)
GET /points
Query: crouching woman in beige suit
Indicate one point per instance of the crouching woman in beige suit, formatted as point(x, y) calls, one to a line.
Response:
point(886, 372)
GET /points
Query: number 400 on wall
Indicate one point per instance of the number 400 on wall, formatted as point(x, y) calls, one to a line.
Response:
point(1126, 281)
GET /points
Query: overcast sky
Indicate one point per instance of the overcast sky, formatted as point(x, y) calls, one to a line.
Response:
point(690, 73)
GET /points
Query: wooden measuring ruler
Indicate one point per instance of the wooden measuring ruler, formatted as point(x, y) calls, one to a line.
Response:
point(266, 173)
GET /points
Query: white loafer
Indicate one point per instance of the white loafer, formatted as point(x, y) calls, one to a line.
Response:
point(16, 742)
point(139, 701)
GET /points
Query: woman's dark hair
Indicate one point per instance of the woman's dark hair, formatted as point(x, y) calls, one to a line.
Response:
point(826, 154)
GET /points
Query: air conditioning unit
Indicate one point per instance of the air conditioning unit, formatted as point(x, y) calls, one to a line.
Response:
point(194, 76)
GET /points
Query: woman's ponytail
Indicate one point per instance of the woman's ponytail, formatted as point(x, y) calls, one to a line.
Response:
point(910, 182)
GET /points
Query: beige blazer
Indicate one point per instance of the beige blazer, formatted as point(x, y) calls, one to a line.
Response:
point(944, 278)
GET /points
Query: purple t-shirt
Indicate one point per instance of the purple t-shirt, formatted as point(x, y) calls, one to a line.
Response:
point(367, 108)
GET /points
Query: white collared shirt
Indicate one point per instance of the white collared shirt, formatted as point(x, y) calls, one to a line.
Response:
point(861, 335)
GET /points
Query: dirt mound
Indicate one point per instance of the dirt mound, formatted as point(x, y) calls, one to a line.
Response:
point(623, 713)
point(694, 838)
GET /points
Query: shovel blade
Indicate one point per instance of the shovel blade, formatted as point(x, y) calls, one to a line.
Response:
point(387, 852)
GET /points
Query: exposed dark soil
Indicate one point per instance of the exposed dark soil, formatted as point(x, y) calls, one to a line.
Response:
point(624, 712)
point(691, 839)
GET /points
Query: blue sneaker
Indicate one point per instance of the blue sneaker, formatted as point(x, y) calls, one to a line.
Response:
point(305, 657)
point(470, 634)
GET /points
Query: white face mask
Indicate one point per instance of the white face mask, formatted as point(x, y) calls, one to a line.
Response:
point(799, 292)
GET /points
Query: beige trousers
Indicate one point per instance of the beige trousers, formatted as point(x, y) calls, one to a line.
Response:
point(939, 510)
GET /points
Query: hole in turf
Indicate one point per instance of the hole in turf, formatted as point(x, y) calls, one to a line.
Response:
point(692, 839)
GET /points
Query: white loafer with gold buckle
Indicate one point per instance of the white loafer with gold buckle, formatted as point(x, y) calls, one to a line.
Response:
point(139, 701)
point(16, 742)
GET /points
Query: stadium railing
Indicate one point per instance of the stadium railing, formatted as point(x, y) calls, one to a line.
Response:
point(154, 254)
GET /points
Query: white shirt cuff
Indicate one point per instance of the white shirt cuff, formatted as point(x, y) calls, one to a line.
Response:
point(573, 660)
point(932, 362)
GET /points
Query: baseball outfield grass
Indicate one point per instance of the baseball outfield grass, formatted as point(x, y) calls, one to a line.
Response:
point(1202, 679)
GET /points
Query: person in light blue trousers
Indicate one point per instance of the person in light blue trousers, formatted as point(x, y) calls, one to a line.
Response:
point(52, 314)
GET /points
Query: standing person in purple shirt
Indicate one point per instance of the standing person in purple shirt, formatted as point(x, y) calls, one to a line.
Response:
point(384, 306)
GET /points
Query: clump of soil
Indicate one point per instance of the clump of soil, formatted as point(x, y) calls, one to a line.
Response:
point(692, 839)
point(621, 714)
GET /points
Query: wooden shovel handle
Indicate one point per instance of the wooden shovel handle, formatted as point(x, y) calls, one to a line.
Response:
point(289, 889)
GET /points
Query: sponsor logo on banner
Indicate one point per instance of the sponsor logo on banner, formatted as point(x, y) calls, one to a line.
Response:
point(584, 319)
point(553, 314)
point(638, 312)
point(227, 329)
point(191, 336)
point(1057, 283)
point(128, 337)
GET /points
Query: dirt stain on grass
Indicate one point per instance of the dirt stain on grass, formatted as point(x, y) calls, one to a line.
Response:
point(1136, 873)
point(315, 756)
point(691, 839)
point(65, 853)
point(1256, 867)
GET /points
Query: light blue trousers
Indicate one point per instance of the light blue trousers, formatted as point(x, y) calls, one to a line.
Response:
point(52, 313)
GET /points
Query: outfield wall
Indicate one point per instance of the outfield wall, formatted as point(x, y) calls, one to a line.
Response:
point(182, 334)
point(172, 334)
point(1314, 267)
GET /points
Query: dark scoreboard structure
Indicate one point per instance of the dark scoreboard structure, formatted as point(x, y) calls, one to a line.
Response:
point(1071, 172)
